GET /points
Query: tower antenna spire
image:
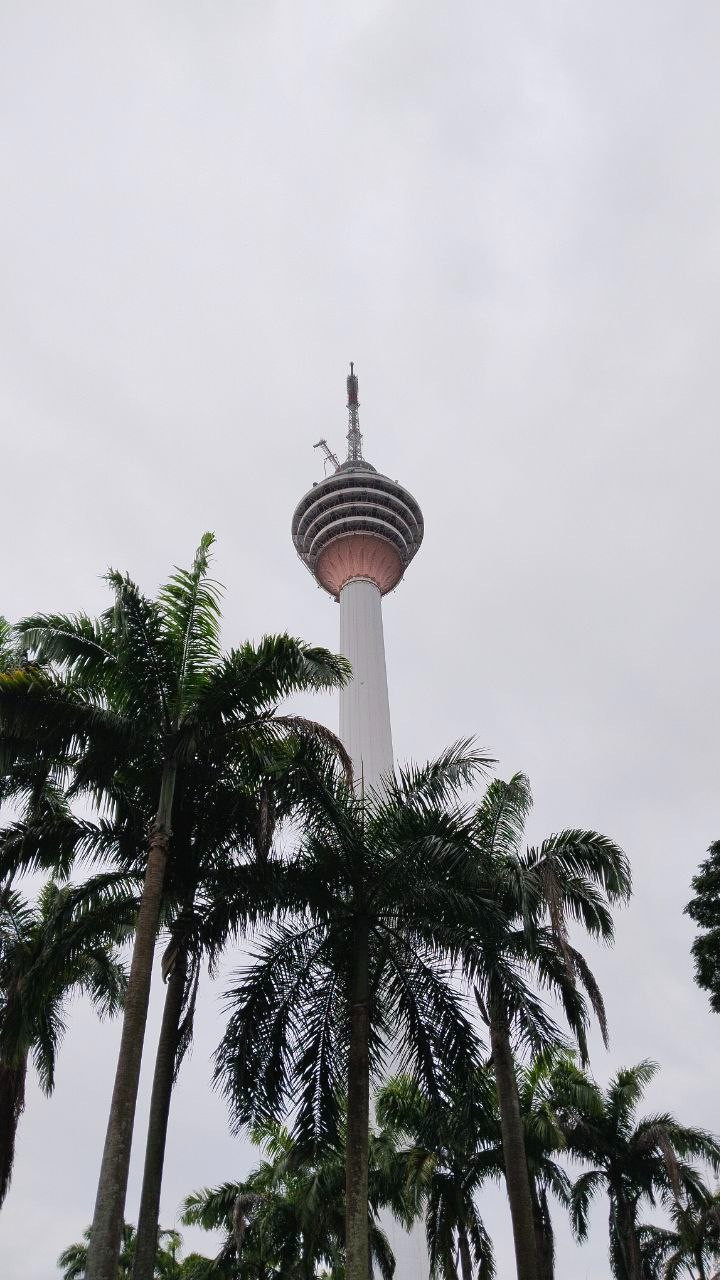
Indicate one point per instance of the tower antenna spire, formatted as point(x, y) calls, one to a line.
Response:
point(354, 435)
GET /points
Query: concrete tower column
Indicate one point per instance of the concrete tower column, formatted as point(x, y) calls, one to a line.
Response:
point(364, 703)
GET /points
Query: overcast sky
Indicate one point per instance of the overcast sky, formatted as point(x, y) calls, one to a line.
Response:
point(507, 215)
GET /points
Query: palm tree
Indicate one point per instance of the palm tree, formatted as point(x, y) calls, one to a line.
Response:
point(220, 877)
point(73, 1260)
point(353, 969)
point(145, 680)
point(574, 874)
point(539, 1083)
point(458, 1146)
point(167, 1265)
point(691, 1247)
point(633, 1160)
point(220, 880)
point(27, 778)
point(455, 1148)
point(287, 1219)
point(49, 952)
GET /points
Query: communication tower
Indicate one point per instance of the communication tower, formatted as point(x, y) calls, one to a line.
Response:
point(357, 531)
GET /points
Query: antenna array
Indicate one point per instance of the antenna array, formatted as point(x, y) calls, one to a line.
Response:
point(354, 435)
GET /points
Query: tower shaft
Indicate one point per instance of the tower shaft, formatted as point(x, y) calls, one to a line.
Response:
point(366, 733)
point(364, 705)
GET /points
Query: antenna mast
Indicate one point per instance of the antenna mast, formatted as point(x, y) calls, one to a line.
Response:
point(354, 435)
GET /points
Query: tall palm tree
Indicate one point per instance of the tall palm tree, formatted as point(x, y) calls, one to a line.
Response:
point(221, 880)
point(49, 952)
point(573, 874)
point(691, 1247)
point(146, 679)
point(455, 1148)
point(633, 1160)
point(287, 1218)
point(539, 1083)
point(458, 1146)
point(355, 970)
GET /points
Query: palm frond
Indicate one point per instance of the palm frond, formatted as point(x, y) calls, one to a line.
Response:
point(438, 782)
point(253, 1061)
point(435, 1035)
point(75, 642)
point(502, 815)
point(626, 1089)
point(145, 671)
point(212, 1207)
point(584, 1190)
point(190, 606)
point(254, 678)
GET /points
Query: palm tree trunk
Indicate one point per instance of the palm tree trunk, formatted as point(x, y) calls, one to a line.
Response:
point(513, 1143)
point(107, 1227)
point(357, 1253)
point(12, 1102)
point(163, 1080)
point(627, 1235)
point(465, 1255)
point(543, 1244)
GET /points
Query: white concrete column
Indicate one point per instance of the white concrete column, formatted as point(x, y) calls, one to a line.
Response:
point(365, 730)
point(364, 704)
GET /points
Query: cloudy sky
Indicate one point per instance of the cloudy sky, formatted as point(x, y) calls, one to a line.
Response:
point(507, 214)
